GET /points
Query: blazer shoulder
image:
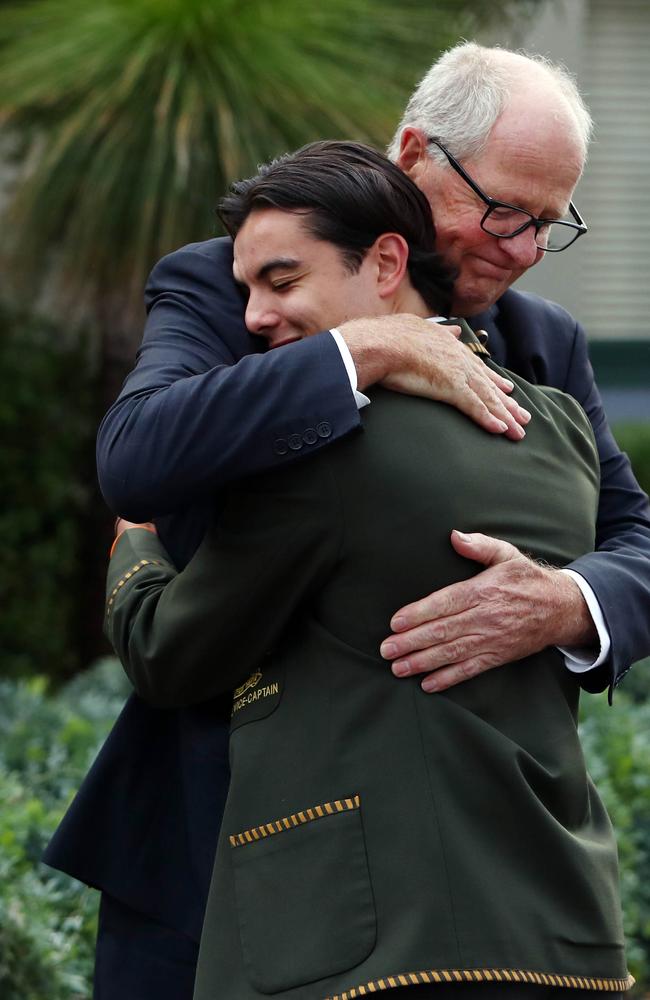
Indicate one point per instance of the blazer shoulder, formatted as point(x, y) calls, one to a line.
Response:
point(218, 249)
point(196, 266)
point(544, 314)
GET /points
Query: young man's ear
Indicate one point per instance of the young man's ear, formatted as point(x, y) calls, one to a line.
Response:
point(391, 256)
point(413, 151)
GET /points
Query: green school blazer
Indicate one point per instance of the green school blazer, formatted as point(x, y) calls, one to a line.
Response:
point(375, 836)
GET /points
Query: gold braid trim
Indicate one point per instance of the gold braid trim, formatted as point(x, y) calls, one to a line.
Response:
point(432, 976)
point(297, 819)
point(477, 348)
point(127, 576)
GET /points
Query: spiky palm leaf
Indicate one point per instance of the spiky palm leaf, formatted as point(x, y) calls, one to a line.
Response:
point(137, 113)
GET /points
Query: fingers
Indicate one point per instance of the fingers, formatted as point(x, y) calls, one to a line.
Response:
point(429, 646)
point(441, 368)
point(448, 677)
point(521, 415)
point(500, 381)
point(437, 610)
point(497, 404)
point(443, 603)
point(483, 548)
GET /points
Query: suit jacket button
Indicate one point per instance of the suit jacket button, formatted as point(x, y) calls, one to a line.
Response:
point(295, 442)
point(310, 436)
point(323, 429)
point(280, 447)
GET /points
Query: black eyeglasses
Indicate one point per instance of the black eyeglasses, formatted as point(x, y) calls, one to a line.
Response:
point(505, 221)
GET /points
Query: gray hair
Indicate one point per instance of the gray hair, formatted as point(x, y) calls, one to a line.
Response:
point(468, 87)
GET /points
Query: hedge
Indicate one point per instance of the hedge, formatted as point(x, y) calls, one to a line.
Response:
point(47, 921)
point(47, 430)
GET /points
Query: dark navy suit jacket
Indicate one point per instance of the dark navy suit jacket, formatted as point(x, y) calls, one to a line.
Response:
point(198, 411)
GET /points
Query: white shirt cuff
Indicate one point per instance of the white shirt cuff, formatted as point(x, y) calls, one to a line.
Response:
point(359, 397)
point(579, 659)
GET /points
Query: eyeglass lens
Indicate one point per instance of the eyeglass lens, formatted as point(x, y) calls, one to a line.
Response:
point(504, 221)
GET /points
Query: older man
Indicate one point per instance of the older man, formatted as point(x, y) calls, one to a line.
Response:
point(200, 410)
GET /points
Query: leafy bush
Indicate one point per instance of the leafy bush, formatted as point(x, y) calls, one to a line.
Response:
point(47, 468)
point(47, 920)
point(616, 743)
point(634, 439)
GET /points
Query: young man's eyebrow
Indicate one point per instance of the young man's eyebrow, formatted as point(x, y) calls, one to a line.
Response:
point(277, 263)
point(287, 263)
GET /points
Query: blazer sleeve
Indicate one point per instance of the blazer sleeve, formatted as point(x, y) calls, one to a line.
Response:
point(542, 341)
point(201, 410)
point(619, 570)
point(185, 637)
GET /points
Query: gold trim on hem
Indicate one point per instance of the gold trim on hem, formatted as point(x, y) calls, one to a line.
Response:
point(433, 976)
point(297, 819)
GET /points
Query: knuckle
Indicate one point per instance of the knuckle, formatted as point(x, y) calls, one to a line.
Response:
point(492, 595)
point(453, 652)
point(469, 669)
point(435, 632)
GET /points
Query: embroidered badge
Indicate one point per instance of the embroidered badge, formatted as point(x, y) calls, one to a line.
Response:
point(257, 697)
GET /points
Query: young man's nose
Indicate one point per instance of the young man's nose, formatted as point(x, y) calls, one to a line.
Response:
point(260, 318)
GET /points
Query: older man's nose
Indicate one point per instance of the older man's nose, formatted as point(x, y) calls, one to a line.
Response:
point(522, 248)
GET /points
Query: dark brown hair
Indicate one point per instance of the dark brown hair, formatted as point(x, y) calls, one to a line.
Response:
point(350, 195)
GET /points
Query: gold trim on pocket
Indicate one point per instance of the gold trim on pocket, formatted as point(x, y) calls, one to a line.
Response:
point(296, 819)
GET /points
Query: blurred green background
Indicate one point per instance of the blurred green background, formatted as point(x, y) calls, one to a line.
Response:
point(122, 121)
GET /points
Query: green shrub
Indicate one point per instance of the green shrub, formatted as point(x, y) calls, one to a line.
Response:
point(616, 743)
point(47, 742)
point(47, 469)
point(47, 920)
point(634, 440)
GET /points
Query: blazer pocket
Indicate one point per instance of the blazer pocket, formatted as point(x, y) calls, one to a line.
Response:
point(304, 900)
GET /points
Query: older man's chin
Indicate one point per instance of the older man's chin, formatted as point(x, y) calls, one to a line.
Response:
point(476, 294)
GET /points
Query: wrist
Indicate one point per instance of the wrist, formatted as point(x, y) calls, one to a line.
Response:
point(370, 349)
point(575, 624)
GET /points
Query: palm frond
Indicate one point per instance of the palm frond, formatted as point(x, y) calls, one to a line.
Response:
point(138, 113)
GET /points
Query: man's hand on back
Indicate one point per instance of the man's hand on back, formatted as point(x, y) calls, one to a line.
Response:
point(420, 358)
point(512, 609)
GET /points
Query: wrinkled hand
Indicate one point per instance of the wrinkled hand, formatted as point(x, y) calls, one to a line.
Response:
point(411, 355)
point(443, 368)
point(512, 609)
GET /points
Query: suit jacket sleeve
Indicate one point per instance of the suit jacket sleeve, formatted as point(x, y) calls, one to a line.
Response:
point(184, 637)
point(541, 341)
point(200, 409)
point(619, 570)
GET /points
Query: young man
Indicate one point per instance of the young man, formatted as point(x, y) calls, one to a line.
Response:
point(375, 838)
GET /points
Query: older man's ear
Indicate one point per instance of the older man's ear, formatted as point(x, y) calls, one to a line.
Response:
point(413, 152)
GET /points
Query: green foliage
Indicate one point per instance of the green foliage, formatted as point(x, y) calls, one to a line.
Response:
point(634, 439)
point(47, 921)
point(136, 114)
point(46, 431)
point(616, 742)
